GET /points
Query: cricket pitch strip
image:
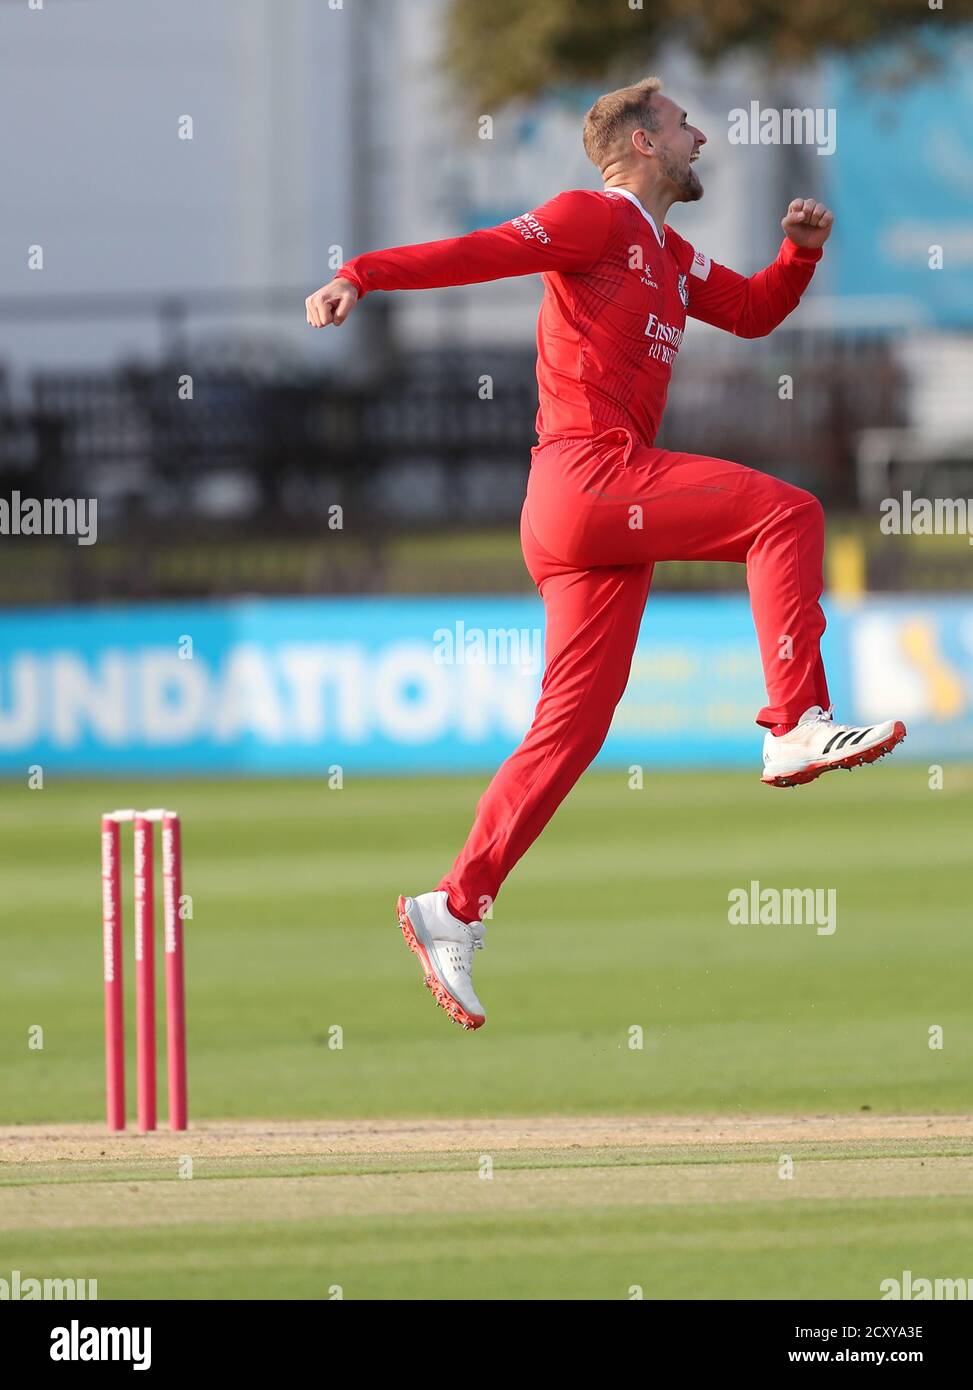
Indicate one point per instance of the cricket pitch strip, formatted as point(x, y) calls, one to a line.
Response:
point(58, 1176)
point(516, 1207)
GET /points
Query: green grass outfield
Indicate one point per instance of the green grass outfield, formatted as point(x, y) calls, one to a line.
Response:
point(617, 919)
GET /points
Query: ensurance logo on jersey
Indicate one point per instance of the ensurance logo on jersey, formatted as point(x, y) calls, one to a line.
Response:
point(666, 337)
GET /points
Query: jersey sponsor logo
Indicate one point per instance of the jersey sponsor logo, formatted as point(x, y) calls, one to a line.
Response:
point(700, 266)
point(666, 339)
point(683, 287)
point(638, 259)
point(530, 229)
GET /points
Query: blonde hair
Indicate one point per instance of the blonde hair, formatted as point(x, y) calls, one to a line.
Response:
point(616, 114)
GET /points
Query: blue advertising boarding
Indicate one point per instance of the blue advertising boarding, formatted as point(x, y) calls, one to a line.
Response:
point(396, 685)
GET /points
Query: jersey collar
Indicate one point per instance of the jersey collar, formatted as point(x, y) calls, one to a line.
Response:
point(625, 193)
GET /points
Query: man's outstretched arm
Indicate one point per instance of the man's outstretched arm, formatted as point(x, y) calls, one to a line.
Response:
point(567, 234)
point(752, 307)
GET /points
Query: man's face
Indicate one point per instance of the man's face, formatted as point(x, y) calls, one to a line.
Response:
point(677, 145)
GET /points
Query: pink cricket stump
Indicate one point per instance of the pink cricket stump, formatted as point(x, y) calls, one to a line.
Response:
point(175, 973)
point(111, 916)
point(145, 972)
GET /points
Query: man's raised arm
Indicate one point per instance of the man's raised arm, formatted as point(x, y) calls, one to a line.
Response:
point(568, 234)
point(752, 307)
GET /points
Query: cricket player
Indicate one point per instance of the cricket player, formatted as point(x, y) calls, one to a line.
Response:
point(603, 504)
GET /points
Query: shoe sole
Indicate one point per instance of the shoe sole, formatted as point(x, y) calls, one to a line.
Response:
point(858, 759)
point(440, 993)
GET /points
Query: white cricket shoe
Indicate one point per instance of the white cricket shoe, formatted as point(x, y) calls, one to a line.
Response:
point(445, 947)
point(818, 744)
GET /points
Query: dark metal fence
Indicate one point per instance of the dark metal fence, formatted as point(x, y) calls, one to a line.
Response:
point(233, 487)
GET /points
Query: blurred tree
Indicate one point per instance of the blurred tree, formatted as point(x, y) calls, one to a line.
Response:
point(502, 49)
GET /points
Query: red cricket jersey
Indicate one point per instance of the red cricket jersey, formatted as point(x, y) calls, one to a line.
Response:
point(616, 296)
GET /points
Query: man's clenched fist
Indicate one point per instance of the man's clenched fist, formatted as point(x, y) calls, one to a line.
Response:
point(807, 223)
point(331, 304)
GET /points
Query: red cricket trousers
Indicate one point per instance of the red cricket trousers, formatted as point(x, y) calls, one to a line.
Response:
point(598, 514)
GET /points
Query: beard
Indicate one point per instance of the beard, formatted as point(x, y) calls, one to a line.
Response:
point(683, 177)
